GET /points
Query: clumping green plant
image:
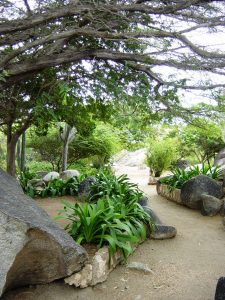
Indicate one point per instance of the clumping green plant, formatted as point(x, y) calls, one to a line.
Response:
point(58, 187)
point(113, 215)
point(24, 180)
point(180, 176)
point(109, 222)
point(107, 185)
point(160, 155)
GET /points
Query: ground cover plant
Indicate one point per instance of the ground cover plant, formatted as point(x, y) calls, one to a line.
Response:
point(54, 188)
point(112, 216)
point(180, 176)
point(24, 180)
point(107, 185)
point(59, 187)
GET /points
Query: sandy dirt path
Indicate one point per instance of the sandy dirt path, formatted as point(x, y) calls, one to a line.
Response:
point(185, 268)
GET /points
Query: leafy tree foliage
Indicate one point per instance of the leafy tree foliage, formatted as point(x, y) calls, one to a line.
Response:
point(100, 49)
point(101, 144)
point(39, 102)
point(48, 148)
point(204, 140)
point(114, 36)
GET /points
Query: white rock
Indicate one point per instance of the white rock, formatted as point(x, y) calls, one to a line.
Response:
point(102, 265)
point(69, 173)
point(81, 279)
point(140, 267)
point(50, 176)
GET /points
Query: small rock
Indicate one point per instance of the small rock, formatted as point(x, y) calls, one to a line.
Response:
point(124, 280)
point(37, 183)
point(210, 205)
point(84, 188)
point(138, 297)
point(163, 232)
point(81, 279)
point(102, 265)
point(140, 267)
point(143, 201)
point(158, 286)
point(220, 289)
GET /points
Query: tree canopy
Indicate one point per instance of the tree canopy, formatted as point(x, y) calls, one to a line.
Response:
point(115, 36)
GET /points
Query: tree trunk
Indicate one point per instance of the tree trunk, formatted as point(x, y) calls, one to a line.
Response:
point(65, 155)
point(11, 155)
point(23, 152)
point(66, 136)
point(18, 150)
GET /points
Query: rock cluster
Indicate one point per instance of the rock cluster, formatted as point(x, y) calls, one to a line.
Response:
point(204, 193)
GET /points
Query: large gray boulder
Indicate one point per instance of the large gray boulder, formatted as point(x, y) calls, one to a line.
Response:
point(33, 249)
point(204, 193)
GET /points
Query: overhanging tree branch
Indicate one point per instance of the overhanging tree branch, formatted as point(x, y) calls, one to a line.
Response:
point(128, 34)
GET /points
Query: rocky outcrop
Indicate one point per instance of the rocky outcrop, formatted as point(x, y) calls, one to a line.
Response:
point(204, 193)
point(34, 250)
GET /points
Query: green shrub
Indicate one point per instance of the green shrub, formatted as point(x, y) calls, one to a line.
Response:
point(114, 216)
point(24, 180)
point(107, 185)
point(47, 148)
point(58, 187)
point(110, 222)
point(160, 155)
point(35, 166)
point(179, 176)
point(98, 147)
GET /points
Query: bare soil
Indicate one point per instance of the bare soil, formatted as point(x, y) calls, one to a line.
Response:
point(185, 268)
